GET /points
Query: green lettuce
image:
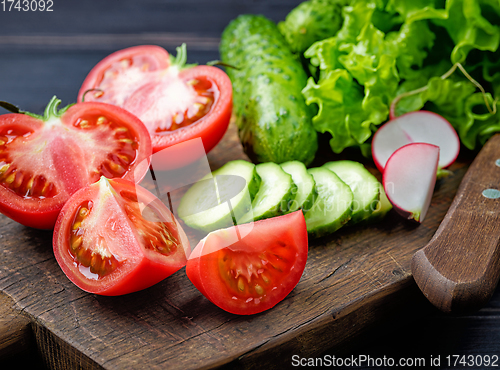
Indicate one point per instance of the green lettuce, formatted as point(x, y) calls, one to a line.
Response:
point(389, 47)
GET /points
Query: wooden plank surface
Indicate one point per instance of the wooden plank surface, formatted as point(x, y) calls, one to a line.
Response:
point(354, 280)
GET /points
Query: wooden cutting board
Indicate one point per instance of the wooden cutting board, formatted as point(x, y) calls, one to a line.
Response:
point(353, 279)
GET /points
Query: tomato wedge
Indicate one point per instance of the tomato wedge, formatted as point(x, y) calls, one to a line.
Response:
point(176, 102)
point(45, 159)
point(114, 237)
point(249, 268)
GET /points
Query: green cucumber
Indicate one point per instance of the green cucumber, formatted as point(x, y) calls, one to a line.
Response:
point(383, 206)
point(332, 208)
point(275, 123)
point(276, 190)
point(210, 205)
point(365, 187)
point(312, 21)
point(306, 193)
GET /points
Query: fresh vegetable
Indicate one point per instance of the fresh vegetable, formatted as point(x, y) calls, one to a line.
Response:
point(386, 49)
point(420, 126)
point(409, 179)
point(251, 274)
point(221, 198)
point(45, 159)
point(305, 194)
point(364, 186)
point(114, 237)
point(333, 206)
point(176, 102)
point(311, 21)
point(329, 196)
point(273, 120)
point(382, 208)
point(275, 192)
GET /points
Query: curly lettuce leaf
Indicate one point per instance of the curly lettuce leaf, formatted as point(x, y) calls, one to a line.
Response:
point(339, 100)
point(472, 24)
point(387, 47)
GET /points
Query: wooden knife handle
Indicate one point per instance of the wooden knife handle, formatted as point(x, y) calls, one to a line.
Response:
point(459, 269)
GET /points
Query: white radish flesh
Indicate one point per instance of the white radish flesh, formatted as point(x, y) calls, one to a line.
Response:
point(409, 179)
point(414, 127)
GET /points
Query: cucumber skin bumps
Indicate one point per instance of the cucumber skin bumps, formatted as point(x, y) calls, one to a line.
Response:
point(270, 111)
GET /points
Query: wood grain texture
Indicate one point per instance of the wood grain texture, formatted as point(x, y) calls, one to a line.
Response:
point(352, 279)
point(459, 269)
point(15, 330)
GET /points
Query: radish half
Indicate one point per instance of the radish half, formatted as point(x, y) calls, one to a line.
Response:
point(409, 179)
point(413, 127)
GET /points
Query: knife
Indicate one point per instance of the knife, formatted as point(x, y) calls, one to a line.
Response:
point(459, 268)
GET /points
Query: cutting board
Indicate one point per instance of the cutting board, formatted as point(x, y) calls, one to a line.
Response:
point(354, 279)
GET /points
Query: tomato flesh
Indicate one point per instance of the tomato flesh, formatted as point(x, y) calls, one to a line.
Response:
point(250, 274)
point(114, 237)
point(44, 161)
point(176, 103)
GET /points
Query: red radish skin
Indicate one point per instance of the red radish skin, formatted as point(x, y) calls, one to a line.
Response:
point(419, 126)
point(409, 179)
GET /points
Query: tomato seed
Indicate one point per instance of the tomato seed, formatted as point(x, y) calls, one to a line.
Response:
point(241, 284)
point(18, 180)
point(10, 179)
point(121, 130)
point(101, 120)
point(76, 243)
point(258, 289)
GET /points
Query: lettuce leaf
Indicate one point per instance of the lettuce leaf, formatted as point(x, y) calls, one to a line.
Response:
point(388, 47)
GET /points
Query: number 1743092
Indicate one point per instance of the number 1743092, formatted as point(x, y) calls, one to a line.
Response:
point(27, 5)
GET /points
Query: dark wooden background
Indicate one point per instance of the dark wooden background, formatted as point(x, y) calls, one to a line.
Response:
point(44, 54)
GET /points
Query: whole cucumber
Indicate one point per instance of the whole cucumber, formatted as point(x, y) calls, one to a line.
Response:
point(273, 120)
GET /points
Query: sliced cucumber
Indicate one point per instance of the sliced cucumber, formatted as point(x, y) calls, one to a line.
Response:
point(219, 200)
point(276, 190)
point(382, 207)
point(332, 208)
point(306, 193)
point(365, 187)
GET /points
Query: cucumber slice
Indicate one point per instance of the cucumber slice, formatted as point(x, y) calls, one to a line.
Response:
point(306, 193)
point(332, 208)
point(220, 199)
point(365, 187)
point(383, 206)
point(276, 190)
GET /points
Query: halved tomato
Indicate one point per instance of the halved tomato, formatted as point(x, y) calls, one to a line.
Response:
point(114, 237)
point(176, 102)
point(249, 268)
point(45, 159)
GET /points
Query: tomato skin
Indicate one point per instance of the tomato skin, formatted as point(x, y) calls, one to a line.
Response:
point(204, 265)
point(63, 157)
point(210, 128)
point(139, 270)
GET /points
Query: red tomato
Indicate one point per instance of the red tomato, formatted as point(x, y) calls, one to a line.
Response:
point(114, 237)
point(45, 159)
point(176, 102)
point(249, 268)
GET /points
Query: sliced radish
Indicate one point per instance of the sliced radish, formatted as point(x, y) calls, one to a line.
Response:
point(416, 127)
point(409, 179)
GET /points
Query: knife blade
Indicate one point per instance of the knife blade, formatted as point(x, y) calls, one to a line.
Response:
point(458, 270)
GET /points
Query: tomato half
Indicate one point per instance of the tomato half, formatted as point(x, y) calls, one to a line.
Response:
point(249, 268)
point(176, 102)
point(45, 159)
point(114, 237)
